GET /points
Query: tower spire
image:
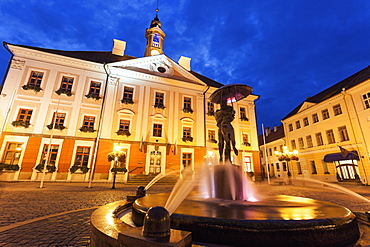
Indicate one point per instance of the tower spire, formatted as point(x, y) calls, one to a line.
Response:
point(155, 36)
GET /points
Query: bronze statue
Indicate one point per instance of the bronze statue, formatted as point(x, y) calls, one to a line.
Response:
point(226, 135)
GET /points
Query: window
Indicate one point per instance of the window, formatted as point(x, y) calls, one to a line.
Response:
point(187, 103)
point(366, 99)
point(325, 167)
point(67, 83)
point(284, 166)
point(186, 132)
point(319, 139)
point(35, 79)
point(159, 100)
point(211, 135)
point(300, 143)
point(294, 146)
point(309, 141)
point(247, 164)
point(12, 153)
point(313, 167)
point(24, 115)
point(325, 114)
point(156, 39)
point(330, 136)
point(246, 140)
point(210, 109)
point(88, 122)
point(243, 115)
point(315, 118)
point(298, 124)
point(52, 154)
point(337, 110)
point(299, 168)
point(343, 133)
point(58, 119)
point(290, 127)
point(277, 167)
point(157, 130)
point(305, 121)
point(94, 88)
point(124, 124)
point(186, 159)
point(128, 94)
point(270, 151)
point(82, 156)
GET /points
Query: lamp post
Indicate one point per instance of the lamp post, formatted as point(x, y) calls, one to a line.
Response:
point(117, 156)
point(287, 156)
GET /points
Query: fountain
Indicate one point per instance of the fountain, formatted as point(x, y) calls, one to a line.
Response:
point(225, 211)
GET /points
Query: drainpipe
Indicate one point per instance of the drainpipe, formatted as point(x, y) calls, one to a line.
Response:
point(204, 116)
point(10, 62)
point(344, 93)
point(96, 146)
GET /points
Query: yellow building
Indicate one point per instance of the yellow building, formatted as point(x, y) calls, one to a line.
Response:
point(331, 132)
point(70, 109)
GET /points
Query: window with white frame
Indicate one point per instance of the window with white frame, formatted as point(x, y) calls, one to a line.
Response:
point(67, 83)
point(186, 159)
point(159, 100)
point(12, 153)
point(94, 89)
point(82, 156)
point(35, 79)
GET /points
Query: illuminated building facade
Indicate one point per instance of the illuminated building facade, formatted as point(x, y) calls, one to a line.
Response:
point(67, 110)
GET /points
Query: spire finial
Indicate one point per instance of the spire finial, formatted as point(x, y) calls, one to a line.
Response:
point(157, 10)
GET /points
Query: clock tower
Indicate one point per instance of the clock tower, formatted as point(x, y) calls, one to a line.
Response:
point(154, 38)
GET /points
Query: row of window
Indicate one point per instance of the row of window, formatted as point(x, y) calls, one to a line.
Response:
point(342, 132)
point(315, 118)
point(242, 111)
point(312, 166)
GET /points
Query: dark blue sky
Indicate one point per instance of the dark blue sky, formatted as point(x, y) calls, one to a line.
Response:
point(286, 50)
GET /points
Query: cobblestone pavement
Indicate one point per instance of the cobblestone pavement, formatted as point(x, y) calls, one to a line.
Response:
point(59, 213)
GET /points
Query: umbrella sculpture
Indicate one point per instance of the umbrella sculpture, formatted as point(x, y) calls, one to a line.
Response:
point(226, 114)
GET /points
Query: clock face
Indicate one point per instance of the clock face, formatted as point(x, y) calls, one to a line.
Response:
point(154, 52)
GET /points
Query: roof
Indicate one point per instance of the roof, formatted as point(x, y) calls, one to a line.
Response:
point(337, 88)
point(106, 57)
point(275, 134)
point(92, 56)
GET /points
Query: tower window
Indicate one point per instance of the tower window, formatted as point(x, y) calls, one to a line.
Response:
point(156, 40)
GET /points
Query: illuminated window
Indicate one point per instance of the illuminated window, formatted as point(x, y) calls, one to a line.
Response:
point(35, 79)
point(67, 83)
point(319, 139)
point(128, 93)
point(337, 110)
point(82, 156)
point(325, 114)
point(305, 121)
point(95, 88)
point(12, 153)
point(24, 115)
point(88, 122)
point(124, 124)
point(157, 130)
point(315, 118)
point(52, 154)
point(343, 133)
point(309, 141)
point(366, 99)
point(330, 136)
point(247, 164)
point(186, 159)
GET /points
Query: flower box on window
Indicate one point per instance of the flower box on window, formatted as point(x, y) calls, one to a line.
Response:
point(212, 141)
point(49, 168)
point(87, 129)
point(187, 110)
point(118, 169)
point(56, 126)
point(127, 101)
point(20, 123)
point(246, 144)
point(9, 167)
point(30, 87)
point(244, 119)
point(210, 113)
point(160, 106)
point(82, 169)
point(93, 96)
point(187, 139)
point(61, 91)
point(123, 133)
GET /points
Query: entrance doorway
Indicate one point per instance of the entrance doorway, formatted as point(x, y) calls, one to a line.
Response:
point(347, 171)
point(155, 162)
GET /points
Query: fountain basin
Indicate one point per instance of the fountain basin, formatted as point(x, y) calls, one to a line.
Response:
point(275, 221)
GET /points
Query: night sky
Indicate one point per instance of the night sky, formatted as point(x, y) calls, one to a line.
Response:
point(286, 50)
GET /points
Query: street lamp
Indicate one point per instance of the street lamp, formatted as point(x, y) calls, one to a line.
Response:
point(287, 156)
point(117, 156)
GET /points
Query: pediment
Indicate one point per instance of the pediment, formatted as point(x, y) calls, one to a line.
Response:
point(305, 106)
point(160, 66)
